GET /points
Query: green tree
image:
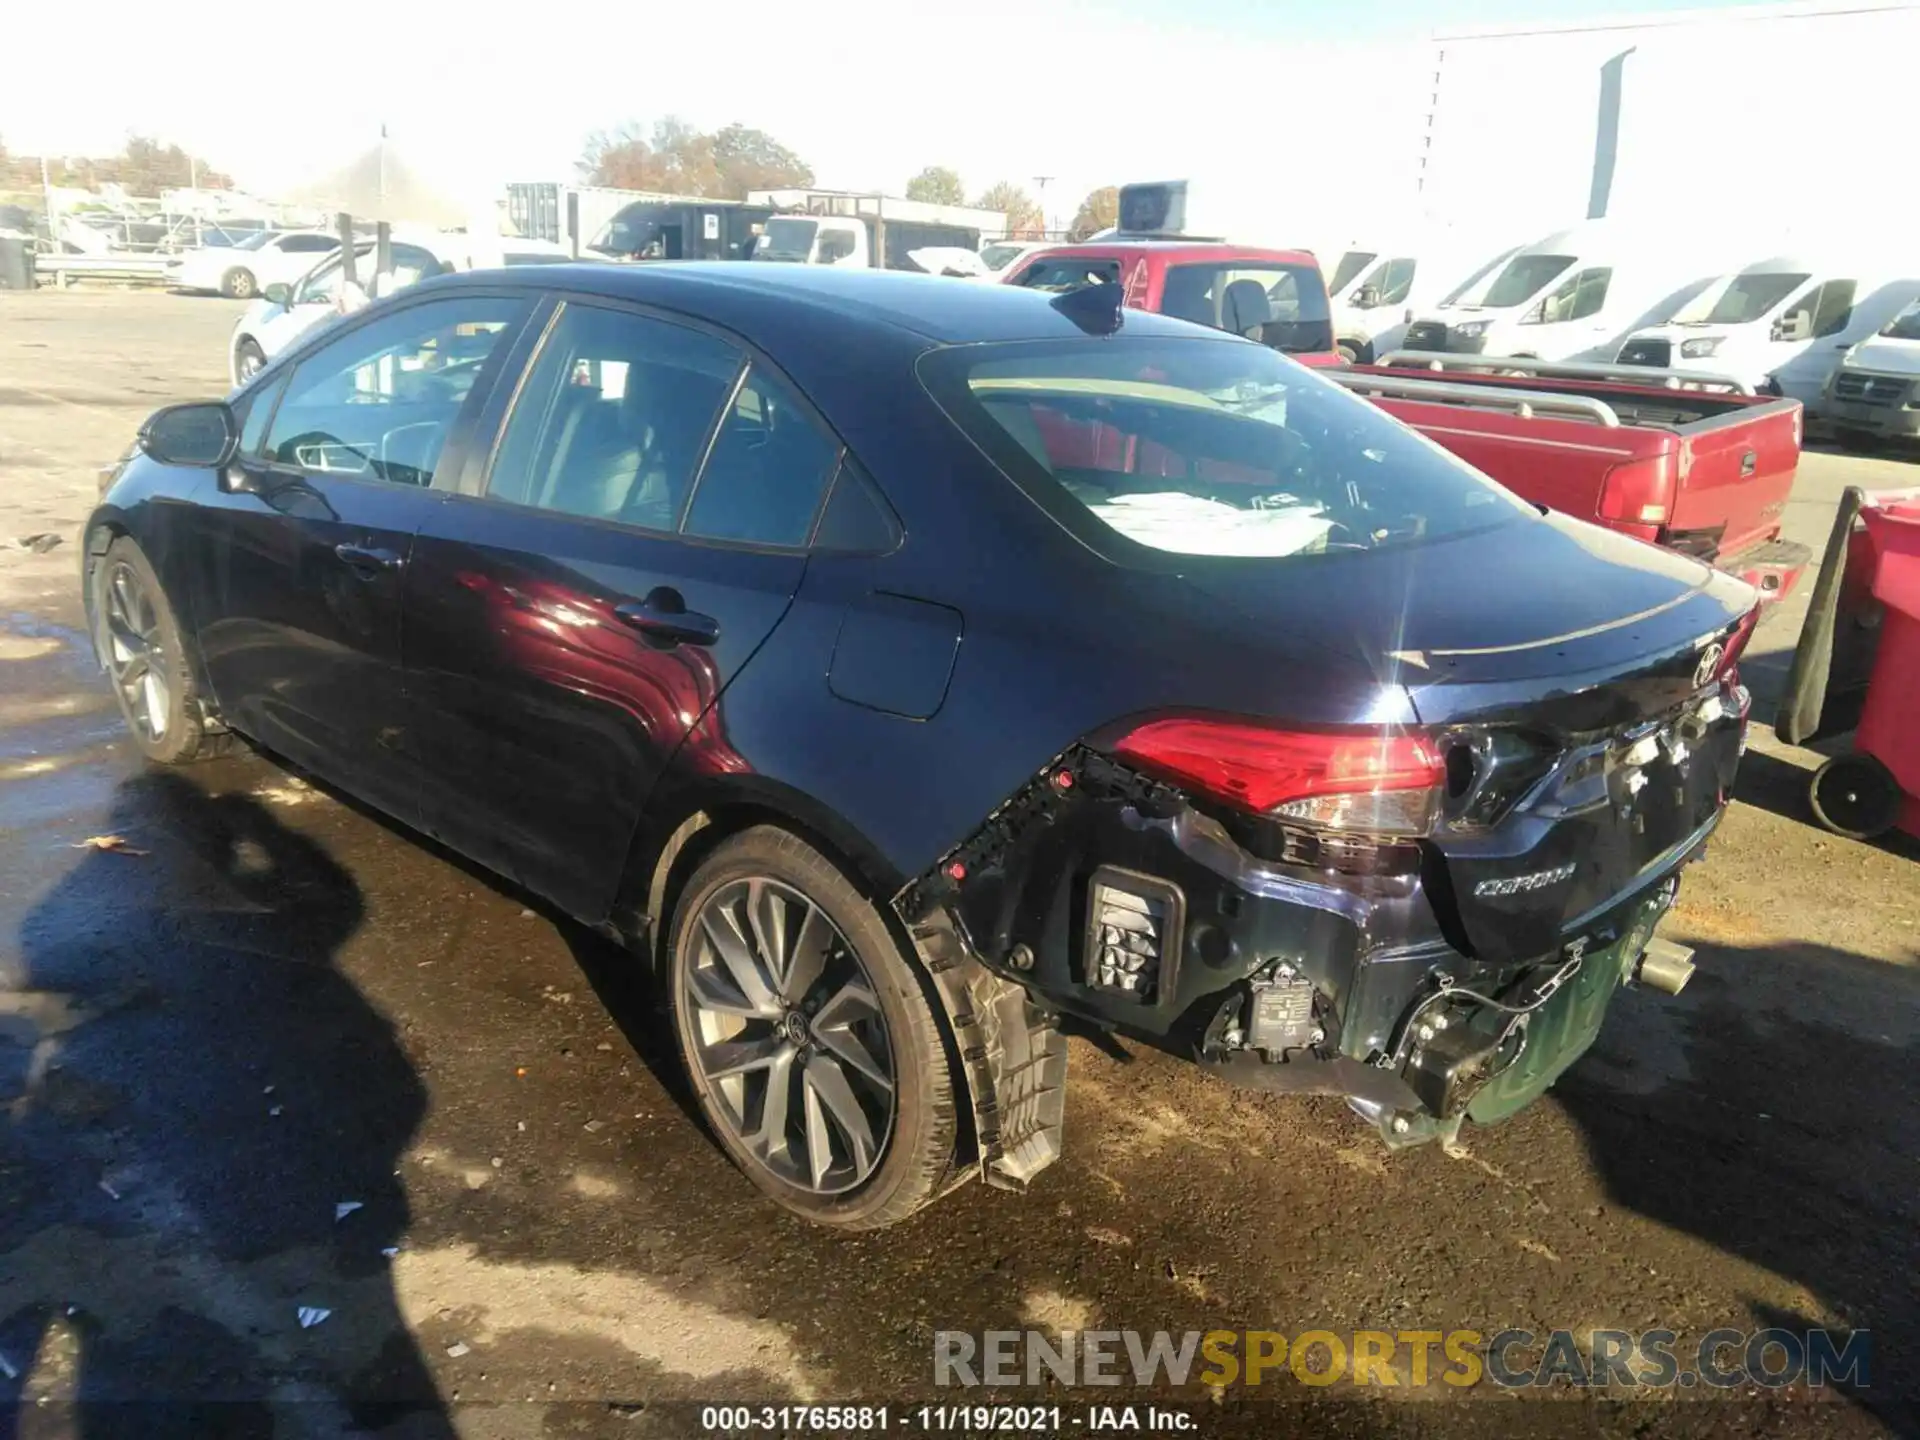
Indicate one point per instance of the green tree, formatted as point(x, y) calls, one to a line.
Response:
point(937, 185)
point(1099, 211)
point(1023, 213)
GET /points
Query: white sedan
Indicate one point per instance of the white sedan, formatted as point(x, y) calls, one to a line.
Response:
point(275, 321)
point(245, 270)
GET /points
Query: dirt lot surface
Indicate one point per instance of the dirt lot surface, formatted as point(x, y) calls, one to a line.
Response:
point(281, 1006)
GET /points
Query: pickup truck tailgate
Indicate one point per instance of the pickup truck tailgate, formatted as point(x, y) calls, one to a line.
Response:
point(1735, 473)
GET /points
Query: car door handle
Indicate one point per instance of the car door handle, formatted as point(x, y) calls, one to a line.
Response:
point(369, 562)
point(664, 616)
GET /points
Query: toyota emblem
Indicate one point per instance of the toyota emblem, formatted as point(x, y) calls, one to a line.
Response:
point(1709, 665)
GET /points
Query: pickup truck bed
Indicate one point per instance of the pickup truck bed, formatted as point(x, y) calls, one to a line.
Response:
point(1700, 470)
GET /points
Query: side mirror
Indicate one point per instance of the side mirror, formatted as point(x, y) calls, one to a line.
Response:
point(279, 294)
point(203, 434)
point(1365, 298)
point(1797, 326)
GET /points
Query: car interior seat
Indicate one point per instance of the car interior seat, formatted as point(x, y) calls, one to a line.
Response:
point(1244, 309)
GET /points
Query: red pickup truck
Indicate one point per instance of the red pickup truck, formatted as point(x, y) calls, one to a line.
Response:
point(1657, 455)
point(1277, 297)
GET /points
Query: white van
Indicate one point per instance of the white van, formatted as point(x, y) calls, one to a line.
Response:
point(1573, 295)
point(1378, 284)
point(1876, 390)
point(1780, 324)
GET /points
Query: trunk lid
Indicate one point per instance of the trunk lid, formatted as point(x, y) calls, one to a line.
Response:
point(1572, 678)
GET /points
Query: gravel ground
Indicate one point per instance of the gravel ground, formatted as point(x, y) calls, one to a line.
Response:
point(284, 1005)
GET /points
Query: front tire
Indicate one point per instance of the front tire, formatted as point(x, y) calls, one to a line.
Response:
point(248, 361)
point(808, 1035)
point(147, 659)
point(239, 284)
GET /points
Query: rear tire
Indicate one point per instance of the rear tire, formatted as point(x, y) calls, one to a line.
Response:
point(140, 636)
point(1855, 796)
point(839, 1027)
point(239, 284)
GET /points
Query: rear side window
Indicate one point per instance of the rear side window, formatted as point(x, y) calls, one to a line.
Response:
point(1061, 276)
point(764, 480)
point(613, 418)
point(1200, 448)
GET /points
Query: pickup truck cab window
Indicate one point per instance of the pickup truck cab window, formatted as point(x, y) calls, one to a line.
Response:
point(1060, 276)
point(1283, 306)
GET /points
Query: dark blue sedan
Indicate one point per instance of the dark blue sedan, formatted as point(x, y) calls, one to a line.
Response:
point(910, 669)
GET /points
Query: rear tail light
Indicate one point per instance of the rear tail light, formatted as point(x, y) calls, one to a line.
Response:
point(1736, 644)
point(1637, 492)
point(1371, 782)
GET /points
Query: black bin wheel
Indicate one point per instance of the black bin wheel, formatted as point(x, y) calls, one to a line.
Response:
point(1855, 796)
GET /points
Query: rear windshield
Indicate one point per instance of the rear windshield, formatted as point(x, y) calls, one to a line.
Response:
point(1739, 299)
point(1518, 281)
point(1197, 447)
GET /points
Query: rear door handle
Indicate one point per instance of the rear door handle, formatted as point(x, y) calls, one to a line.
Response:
point(664, 616)
point(369, 562)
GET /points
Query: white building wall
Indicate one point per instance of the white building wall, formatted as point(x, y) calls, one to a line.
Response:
point(1742, 121)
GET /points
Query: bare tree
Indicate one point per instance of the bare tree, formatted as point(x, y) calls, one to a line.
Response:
point(1099, 211)
point(678, 159)
point(1024, 217)
point(937, 185)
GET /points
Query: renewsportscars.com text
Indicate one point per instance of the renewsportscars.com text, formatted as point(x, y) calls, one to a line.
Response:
point(1511, 1359)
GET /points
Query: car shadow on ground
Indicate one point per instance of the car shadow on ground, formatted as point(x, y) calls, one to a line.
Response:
point(1781, 1070)
point(176, 1171)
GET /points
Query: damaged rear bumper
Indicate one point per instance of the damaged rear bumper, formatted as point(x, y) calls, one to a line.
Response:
point(1109, 897)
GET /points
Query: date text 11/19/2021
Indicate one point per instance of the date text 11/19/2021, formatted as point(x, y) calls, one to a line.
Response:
point(942, 1419)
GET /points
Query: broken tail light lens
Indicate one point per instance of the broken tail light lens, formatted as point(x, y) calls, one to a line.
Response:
point(1736, 643)
point(1371, 782)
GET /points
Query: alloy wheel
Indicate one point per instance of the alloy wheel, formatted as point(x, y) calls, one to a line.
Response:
point(137, 656)
point(788, 1036)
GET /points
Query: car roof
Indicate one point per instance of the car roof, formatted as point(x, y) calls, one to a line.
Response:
point(1176, 250)
point(751, 297)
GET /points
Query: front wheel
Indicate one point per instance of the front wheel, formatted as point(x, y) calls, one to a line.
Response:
point(238, 284)
point(248, 361)
point(147, 660)
point(1856, 796)
point(809, 1036)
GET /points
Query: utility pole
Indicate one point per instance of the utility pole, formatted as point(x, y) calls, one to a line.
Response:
point(1046, 227)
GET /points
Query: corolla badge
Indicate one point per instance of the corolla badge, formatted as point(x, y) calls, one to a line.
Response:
point(1524, 884)
point(1709, 665)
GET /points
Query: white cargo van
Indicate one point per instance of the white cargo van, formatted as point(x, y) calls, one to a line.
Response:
point(1378, 284)
point(1876, 390)
point(1780, 324)
point(1573, 295)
